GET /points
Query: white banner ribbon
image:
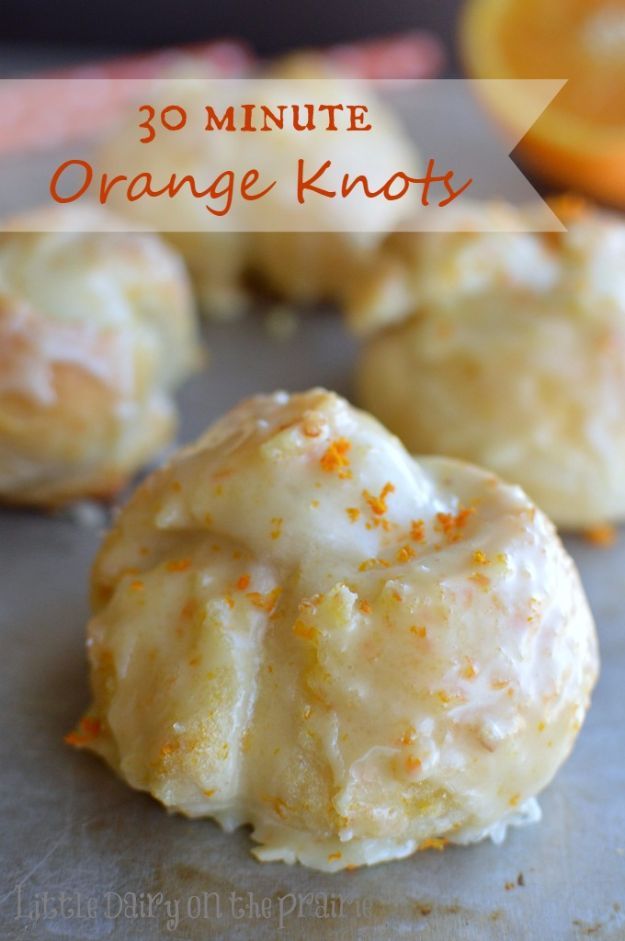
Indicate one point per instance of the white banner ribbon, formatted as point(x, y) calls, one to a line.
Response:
point(275, 154)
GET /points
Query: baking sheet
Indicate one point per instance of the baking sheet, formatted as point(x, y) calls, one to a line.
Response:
point(69, 826)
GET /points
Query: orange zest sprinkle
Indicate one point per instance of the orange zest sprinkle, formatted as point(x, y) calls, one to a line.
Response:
point(499, 684)
point(365, 606)
point(88, 728)
point(305, 631)
point(372, 564)
point(480, 579)
point(377, 505)
point(334, 856)
point(178, 565)
point(243, 582)
point(137, 585)
point(469, 672)
point(408, 736)
point(266, 602)
point(334, 459)
point(480, 557)
point(418, 631)
point(602, 535)
point(417, 531)
point(434, 843)
point(353, 512)
point(452, 525)
point(169, 748)
point(210, 792)
point(405, 554)
point(276, 527)
point(379, 521)
point(514, 800)
point(412, 763)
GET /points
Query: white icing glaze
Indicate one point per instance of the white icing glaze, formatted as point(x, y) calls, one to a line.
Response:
point(580, 270)
point(31, 346)
point(300, 627)
point(96, 327)
point(519, 368)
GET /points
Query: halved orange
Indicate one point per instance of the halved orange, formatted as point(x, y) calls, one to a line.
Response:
point(579, 141)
